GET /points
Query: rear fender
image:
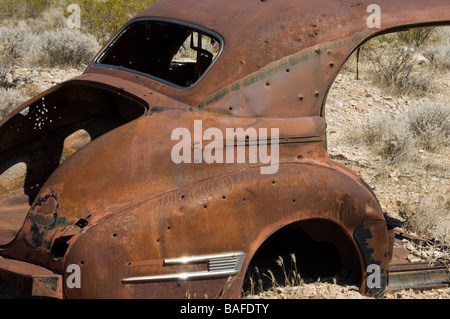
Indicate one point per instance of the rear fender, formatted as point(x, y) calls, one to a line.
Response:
point(233, 214)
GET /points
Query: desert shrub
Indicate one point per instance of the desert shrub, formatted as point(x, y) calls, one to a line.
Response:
point(416, 37)
point(52, 48)
point(11, 44)
point(103, 18)
point(403, 62)
point(430, 218)
point(394, 139)
point(25, 9)
point(398, 70)
point(389, 137)
point(67, 48)
point(10, 99)
point(430, 125)
point(441, 49)
point(100, 18)
point(11, 49)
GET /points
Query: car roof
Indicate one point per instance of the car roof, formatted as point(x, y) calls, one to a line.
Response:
point(264, 37)
point(257, 32)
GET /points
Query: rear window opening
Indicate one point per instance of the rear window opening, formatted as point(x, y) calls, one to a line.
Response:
point(176, 54)
point(34, 142)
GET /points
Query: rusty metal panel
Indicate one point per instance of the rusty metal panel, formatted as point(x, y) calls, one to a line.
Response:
point(30, 279)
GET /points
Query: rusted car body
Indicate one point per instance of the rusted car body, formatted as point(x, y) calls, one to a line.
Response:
point(139, 225)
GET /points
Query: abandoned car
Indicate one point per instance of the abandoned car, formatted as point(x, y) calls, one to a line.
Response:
point(192, 146)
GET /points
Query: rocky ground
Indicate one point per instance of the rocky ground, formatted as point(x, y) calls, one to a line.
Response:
point(350, 103)
point(36, 81)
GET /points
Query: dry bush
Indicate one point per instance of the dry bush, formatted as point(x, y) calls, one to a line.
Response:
point(430, 218)
point(11, 43)
point(416, 37)
point(67, 48)
point(389, 137)
point(440, 50)
point(10, 99)
point(404, 63)
point(398, 69)
point(51, 48)
point(430, 125)
point(395, 139)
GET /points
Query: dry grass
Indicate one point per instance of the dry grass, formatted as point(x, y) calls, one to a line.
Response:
point(430, 218)
point(396, 138)
point(286, 283)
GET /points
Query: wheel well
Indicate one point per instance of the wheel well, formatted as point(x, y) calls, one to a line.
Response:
point(311, 249)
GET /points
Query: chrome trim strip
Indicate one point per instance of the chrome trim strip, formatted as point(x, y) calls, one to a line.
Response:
point(180, 276)
point(219, 265)
point(202, 258)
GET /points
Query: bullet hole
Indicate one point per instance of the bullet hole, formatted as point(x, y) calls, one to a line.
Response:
point(168, 227)
point(204, 206)
point(82, 262)
point(293, 200)
point(331, 65)
point(60, 246)
point(223, 197)
point(230, 108)
point(287, 70)
point(300, 157)
point(243, 199)
point(267, 83)
point(114, 235)
point(157, 240)
point(300, 98)
point(273, 182)
point(81, 223)
point(182, 197)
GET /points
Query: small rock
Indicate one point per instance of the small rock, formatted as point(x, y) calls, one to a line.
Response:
point(356, 169)
point(413, 258)
point(9, 78)
point(362, 107)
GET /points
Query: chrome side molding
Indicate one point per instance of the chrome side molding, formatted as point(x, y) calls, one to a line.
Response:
point(219, 265)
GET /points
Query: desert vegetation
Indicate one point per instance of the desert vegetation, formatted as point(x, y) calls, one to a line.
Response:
point(409, 135)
